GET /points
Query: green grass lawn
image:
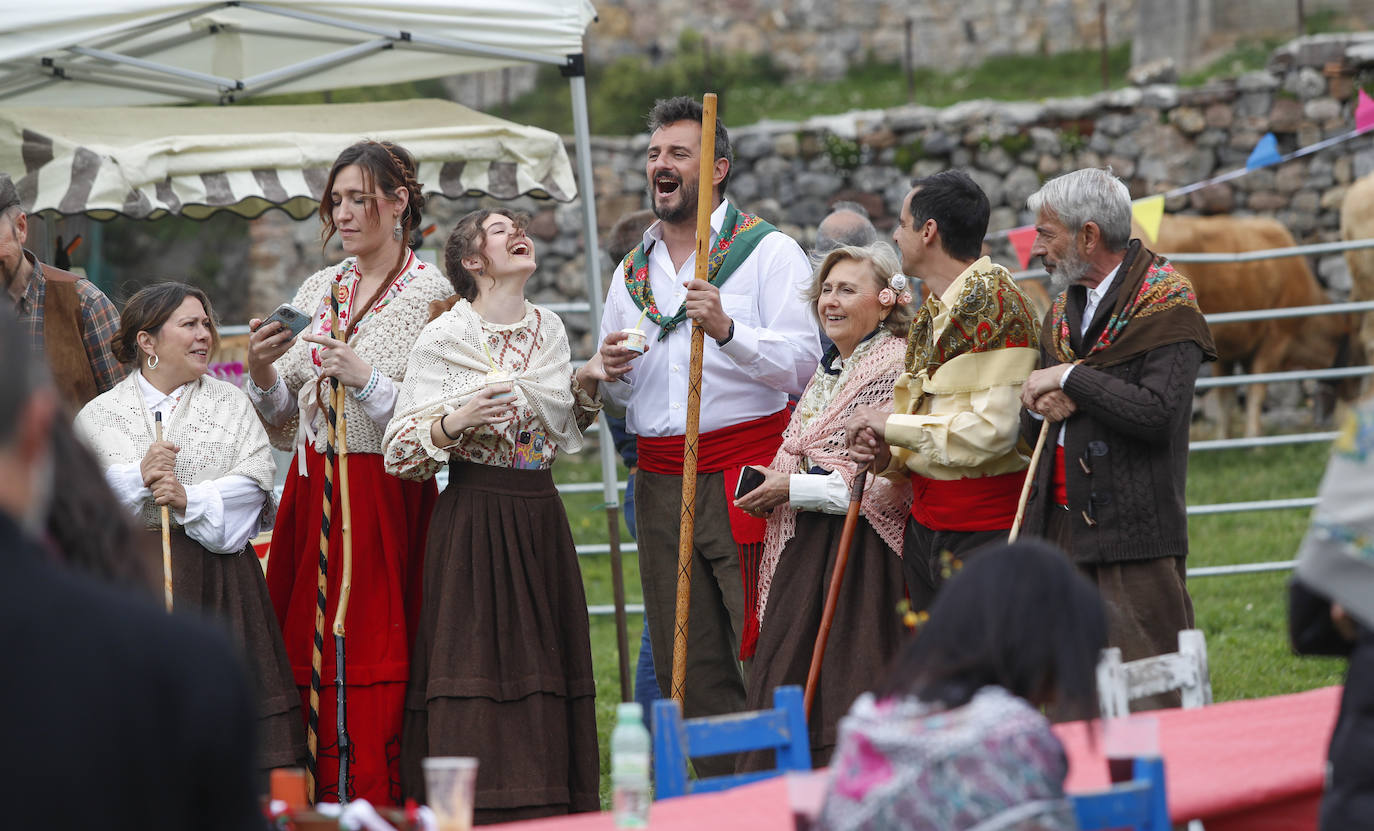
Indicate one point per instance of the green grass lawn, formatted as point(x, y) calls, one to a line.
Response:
point(1243, 616)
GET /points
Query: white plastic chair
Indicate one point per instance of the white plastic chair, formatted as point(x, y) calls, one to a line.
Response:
point(1119, 683)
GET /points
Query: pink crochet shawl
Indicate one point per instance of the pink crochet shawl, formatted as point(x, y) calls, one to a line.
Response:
point(885, 504)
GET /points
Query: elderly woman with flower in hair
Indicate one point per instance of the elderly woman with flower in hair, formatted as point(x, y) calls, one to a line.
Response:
point(864, 307)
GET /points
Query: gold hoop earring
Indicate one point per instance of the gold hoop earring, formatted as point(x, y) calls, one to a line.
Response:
point(152, 361)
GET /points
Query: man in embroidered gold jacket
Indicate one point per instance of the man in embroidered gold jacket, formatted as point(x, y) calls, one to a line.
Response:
point(761, 346)
point(1120, 350)
point(955, 427)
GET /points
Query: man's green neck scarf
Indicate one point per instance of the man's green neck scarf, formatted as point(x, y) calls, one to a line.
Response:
point(739, 234)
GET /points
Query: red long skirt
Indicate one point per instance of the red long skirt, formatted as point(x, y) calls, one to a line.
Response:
point(389, 519)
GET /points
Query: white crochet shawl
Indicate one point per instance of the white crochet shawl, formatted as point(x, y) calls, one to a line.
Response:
point(214, 424)
point(448, 366)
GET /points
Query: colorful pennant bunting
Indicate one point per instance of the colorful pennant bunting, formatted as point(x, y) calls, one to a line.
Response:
point(1148, 213)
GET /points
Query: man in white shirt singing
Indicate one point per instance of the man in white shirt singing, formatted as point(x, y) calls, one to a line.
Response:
point(761, 346)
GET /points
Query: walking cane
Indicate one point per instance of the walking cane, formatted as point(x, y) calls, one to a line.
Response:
point(832, 595)
point(689, 445)
point(166, 531)
point(322, 573)
point(1030, 477)
point(345, 586)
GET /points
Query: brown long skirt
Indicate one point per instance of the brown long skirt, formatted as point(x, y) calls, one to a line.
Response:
point(866, 633)
point(229, 589)
point(502, 664)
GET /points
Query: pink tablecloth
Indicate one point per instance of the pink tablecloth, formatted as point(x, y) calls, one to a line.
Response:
point(762, 806)
point(1253, 765)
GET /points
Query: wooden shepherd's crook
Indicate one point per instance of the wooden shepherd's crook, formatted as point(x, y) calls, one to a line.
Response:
point(166, 530)
point(705, 189)
point(345, 587)
point(832, 595)
point(312, 738)
point(1030, 477)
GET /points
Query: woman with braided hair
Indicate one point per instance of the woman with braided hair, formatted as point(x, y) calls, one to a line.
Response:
point(502, 665)
point(864, 307)
point(372, 201)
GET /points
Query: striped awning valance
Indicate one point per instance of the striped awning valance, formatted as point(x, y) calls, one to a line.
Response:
point(148, 162)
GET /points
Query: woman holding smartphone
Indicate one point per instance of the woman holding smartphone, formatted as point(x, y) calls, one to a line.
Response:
point(372, 201)
point(502, 666)
point(865, 310)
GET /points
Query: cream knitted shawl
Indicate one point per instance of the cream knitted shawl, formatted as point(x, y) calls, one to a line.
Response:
point(449, 365)
point(383, 339)
point(816, 433)
point(214, 424)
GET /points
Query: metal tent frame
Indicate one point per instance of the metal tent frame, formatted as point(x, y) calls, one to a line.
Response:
point(101, 63)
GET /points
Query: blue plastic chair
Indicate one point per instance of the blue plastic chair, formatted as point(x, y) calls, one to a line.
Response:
point(781, 729)
point(1140, 804)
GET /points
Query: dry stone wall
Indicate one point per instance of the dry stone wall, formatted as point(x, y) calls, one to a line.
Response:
point(1155, 137)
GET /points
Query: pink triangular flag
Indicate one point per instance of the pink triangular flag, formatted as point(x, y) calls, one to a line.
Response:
point(1021, 240)
point(1364, 112)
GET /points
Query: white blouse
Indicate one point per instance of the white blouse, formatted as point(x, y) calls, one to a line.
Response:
point(221, 514)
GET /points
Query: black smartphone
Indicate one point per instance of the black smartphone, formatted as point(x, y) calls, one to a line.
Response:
point(749, 478)
point(292, 319)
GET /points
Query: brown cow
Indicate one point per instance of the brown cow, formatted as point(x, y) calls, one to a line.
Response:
point(1357, 222)
point(1264, 345)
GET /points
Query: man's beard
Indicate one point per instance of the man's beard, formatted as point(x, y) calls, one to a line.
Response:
point(686, 207)
point(1068, 271)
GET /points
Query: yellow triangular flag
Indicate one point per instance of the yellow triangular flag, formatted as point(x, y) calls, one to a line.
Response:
point(1148, 213)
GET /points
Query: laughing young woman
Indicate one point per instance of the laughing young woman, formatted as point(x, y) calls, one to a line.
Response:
point(502, 665)
point(372, 201)
point(213, 470)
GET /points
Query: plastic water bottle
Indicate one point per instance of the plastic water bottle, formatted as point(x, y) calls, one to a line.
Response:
point(630, 767)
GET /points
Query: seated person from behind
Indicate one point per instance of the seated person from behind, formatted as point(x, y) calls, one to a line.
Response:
point(954, 737)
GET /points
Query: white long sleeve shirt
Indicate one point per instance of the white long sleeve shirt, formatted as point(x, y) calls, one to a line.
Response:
point(221, 514)
point(772, 354)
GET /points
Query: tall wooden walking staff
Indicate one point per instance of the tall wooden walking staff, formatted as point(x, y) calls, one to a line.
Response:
point(832, 595)
point(1030, 477)
point(689, 444)
point(166, 530)
point(322, 574)
point(345, 581)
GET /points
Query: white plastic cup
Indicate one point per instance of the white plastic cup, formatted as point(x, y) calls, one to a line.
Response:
point(499, 378)
point(450, 787)
point(635, 340)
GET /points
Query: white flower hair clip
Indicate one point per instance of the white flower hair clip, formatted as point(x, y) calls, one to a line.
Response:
point(898, 292)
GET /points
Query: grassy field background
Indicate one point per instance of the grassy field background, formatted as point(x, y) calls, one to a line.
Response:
point(1243, 616)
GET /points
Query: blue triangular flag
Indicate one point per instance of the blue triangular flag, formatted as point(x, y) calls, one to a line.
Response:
point(1266, 152)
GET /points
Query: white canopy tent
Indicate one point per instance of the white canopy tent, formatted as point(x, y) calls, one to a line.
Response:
point(149, 162)
point(86, 53)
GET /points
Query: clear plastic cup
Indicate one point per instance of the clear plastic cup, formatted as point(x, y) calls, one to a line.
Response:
point(1126, 739)
point(635, 340)
point(450, 786)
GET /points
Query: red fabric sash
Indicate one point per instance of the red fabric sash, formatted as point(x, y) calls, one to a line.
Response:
point(1060, 479)
point(725, 450)
point(986, 503)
